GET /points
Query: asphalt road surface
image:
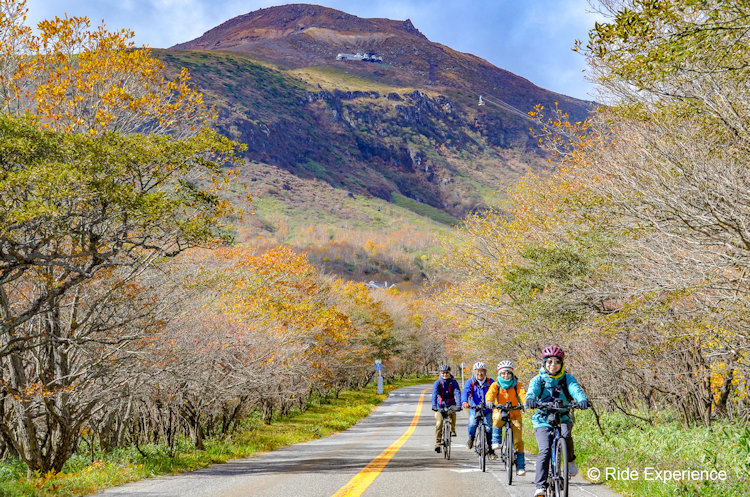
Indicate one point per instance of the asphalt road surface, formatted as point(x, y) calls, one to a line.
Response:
point(389, 453)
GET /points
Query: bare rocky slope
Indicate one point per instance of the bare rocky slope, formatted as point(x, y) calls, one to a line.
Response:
point(409, 127)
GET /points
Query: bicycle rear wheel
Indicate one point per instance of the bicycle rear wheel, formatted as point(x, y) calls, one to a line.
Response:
point(509, 453)
point(561, 469)
point(447, 439)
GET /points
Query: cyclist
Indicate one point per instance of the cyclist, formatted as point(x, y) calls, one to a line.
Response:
point(473, 394)
point(553, 383)
point(445, 390)
point(507, 388)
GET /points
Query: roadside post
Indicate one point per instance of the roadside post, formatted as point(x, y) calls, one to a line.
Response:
point(379, 369)
point(462, 374)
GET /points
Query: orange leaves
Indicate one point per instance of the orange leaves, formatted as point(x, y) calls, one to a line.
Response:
point(277, 301)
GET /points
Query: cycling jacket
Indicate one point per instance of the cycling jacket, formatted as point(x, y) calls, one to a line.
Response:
point(474, 393)
point(544, 388)
point(445, 393)
point(515, 394)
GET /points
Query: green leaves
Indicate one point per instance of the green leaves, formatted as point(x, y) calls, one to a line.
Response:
point(80, 203)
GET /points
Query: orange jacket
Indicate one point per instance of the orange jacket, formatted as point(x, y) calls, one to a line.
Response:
point(499, 396)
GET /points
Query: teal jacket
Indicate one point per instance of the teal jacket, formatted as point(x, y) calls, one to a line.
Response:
point(544, 388)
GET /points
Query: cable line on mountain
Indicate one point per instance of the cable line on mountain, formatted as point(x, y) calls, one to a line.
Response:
point(514, 110)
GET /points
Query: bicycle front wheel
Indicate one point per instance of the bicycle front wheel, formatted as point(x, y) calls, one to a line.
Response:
point(447, 439)
point(509, 453)
point(482, 447)
point(561, 469)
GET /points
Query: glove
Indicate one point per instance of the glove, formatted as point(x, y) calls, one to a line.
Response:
point(585, 404)
point(531, 404)
point(490, 405)
point(465, 405)
point(435, 409)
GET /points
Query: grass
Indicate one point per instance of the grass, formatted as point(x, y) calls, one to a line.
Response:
point(82, 476)
point(665, 446)
point(423, 209)
point(332, 78)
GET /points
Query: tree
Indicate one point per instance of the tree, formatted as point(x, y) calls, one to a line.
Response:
point(676, 169)
point(85, 210)
point(85, 80)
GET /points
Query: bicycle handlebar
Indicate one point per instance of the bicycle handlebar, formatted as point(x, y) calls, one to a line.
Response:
point(508, 407)
point(449, 409)
point(557, 406)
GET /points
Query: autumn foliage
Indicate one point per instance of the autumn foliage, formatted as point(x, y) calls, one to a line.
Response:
point(633, 255)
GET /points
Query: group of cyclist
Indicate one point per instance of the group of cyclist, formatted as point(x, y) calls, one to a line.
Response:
point(551, 384)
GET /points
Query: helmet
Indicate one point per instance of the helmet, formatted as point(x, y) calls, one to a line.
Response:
point(444, 367)
point(505, 365)
point(553, 351)
point(479, 365)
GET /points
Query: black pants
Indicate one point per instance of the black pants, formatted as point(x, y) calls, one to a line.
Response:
point(544, 438)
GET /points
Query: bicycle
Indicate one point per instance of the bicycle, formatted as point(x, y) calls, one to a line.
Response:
point(507, 449)
point(557, 477)
point(445, 441)
point(480, 436)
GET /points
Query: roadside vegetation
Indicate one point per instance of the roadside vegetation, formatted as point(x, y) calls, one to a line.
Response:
point(633, 255)
point(129, 314)
point(630, 445)
point(91, 469)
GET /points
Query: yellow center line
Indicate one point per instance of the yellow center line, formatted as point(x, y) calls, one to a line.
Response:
point(364, 478)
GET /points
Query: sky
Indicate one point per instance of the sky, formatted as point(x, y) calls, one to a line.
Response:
point(531, 38)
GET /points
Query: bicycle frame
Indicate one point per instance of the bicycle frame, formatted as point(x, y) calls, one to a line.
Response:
point(480, 444)
point(447, 429)
point(508, 454)
point(557, 478)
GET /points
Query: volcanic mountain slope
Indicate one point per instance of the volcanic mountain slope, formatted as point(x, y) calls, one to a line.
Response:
point(300, 35)
point(408, 127)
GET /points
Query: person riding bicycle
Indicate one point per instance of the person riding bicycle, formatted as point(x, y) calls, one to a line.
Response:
point(553, 383)
point(473, 394)
point(445, 391)
point(507, 388)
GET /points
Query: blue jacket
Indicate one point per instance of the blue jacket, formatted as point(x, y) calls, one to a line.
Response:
point(544, 388)
point(445, 393)
point(475, 394)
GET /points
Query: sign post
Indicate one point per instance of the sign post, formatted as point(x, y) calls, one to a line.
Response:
point(379, 369)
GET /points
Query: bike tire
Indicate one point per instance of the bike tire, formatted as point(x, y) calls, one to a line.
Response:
point(509, 453)
point(481, 447)
point(447, 440)
point(561, 469)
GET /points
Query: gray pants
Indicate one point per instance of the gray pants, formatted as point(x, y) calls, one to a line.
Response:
point(544, 438)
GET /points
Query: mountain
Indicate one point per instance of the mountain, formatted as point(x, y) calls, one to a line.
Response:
point(299, 35)
point(405, 126)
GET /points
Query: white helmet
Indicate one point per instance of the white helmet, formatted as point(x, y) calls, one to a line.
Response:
point(479, 365)
point(504, 366)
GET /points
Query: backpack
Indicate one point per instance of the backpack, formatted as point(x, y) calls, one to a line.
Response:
point(514, 387)
point(563, 385)
point(450, 390)
point(488, 385)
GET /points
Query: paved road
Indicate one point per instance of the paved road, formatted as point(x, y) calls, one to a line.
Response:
point(334, 465)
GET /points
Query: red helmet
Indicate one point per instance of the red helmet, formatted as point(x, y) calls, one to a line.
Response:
point(553, 351)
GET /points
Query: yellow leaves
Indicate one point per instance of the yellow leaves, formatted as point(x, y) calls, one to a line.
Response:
point(277, 297)
point(81, 79)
